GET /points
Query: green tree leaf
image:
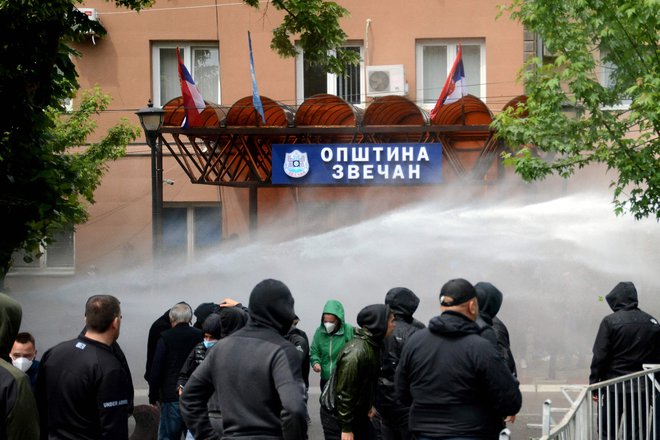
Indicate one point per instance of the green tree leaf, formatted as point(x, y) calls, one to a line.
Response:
point(617, 124)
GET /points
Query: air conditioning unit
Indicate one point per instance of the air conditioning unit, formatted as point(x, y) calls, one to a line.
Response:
point(90, 13)
point(386, 80)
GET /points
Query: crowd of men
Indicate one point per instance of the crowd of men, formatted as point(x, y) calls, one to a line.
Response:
point(242, 372)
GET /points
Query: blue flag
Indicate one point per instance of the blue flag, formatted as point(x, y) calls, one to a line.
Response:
point(256, 99)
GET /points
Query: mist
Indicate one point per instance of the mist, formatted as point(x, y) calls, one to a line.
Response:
point(553, 260)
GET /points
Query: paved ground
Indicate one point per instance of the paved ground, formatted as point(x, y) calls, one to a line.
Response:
point(533, 398)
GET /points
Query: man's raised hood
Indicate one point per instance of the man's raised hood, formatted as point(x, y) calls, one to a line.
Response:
point(333, 307)
point(623, 296)
point(10, 323)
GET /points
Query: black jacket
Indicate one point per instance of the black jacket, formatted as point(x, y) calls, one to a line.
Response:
point(626, 339)
point(18, 411)
point(196, 356)
point(157, 328)
point(255, 374)
point(172, 350)
point(456, 381)
point(492, 328)
point(403, 303)
point(299, 339)
point(83, 392)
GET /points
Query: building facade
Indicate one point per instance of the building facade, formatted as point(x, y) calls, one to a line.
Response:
point(406, 49)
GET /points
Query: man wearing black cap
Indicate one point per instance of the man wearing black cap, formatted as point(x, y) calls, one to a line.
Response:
point(457, 384)
point(255, 373)
point(358, 367)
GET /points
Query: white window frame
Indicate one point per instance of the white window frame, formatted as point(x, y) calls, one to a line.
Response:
point(40, 266)
point(191, 249)
point(331, 77)
point(452, 47)
point(603, 78)
point(187, 60)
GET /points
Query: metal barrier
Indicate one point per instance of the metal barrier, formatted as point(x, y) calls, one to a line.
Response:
point(625, 408)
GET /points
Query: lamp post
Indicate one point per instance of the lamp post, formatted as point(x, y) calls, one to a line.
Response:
point(151, 119)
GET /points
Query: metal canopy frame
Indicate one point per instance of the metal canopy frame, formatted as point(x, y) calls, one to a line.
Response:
point(241, 156)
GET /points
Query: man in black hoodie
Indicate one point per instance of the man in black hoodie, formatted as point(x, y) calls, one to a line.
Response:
point(457, 384)
point(255, 373)
point(626, 339)
point(490, 302)
point(394, 416)
point(19, 418)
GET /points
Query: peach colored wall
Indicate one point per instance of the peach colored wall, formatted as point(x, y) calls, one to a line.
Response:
point(121, 61)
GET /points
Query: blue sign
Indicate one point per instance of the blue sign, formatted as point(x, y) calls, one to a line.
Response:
point(357, 164)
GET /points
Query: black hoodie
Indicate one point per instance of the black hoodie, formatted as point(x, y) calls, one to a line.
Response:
point(492, 328)
point(626, 339)
point(256, 374)
point(455, 381)
point(18, 410)
point(403, 303)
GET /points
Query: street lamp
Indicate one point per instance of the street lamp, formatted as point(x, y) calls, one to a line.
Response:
point(151, 119)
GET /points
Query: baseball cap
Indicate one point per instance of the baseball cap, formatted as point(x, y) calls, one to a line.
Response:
point(459, 290)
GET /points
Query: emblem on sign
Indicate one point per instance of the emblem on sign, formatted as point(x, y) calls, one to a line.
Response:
point(296, 164)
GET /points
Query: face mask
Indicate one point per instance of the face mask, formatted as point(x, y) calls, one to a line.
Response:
point(22, 363)
point(209, 344)
point(329, 326)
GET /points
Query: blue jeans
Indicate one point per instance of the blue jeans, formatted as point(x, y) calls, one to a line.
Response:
point(171, 424)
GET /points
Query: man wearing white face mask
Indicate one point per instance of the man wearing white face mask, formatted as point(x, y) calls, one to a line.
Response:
point(329, 338)
point(24, 356)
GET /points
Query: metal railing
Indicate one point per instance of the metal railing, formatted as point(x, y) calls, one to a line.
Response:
point(625, 408)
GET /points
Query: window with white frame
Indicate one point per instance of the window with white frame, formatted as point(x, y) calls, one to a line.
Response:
point(202, 61)
point(316, 217)
point(312, 80)
point(191, 228)
point(57, 258)
point(434, 61)
point(606, 78)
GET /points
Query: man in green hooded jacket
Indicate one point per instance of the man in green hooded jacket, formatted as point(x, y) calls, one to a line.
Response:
point(329, 338)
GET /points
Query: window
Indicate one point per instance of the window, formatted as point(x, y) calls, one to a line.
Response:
point(58, 258)
point(203, 62)
point(318, 217)
point(607, 80)
point(311, 80)
point(189, 229)
point(434, 60)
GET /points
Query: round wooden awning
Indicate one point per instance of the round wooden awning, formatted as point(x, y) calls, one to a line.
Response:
point(327, 110)
point(515, 103)
point(395, 110)
point(234, 147)
point(468, 110)
point(213, 114)
point(244, 114)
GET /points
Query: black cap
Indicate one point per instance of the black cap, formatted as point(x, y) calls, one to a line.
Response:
point(459, 290)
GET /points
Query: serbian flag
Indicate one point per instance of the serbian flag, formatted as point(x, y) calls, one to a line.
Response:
point(193, 103)
point(454, 88)
point(256, 99)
